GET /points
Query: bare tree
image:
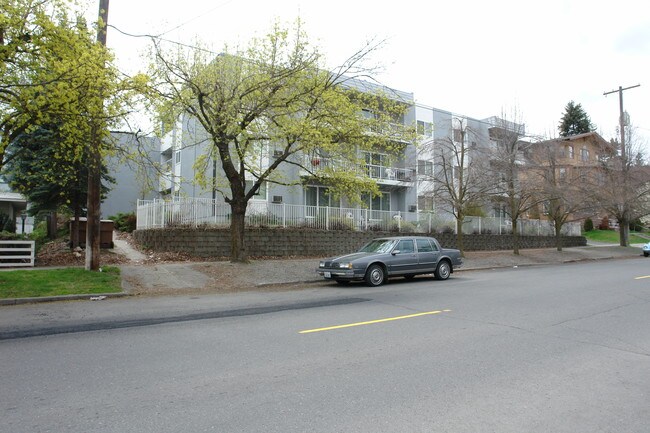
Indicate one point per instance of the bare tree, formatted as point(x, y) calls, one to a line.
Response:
point(625, 184)
point(563, 188)
point(461, 183)
point(516, 193)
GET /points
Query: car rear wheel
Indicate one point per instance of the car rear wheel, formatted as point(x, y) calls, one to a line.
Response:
point(375, 276)
point(443, 270)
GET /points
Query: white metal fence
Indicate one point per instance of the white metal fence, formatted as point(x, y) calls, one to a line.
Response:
point(193, 212)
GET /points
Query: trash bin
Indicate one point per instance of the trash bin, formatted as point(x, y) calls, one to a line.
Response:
point(105, 232)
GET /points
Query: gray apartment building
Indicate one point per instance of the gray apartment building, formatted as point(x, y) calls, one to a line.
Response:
point(405, 180)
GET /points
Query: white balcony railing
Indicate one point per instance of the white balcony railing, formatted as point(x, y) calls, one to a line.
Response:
point(381, 173)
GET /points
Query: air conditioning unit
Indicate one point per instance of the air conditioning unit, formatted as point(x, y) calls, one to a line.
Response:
point(277, 199)
point(413, 208)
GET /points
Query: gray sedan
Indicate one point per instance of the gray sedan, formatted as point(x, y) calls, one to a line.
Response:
point(381, 258)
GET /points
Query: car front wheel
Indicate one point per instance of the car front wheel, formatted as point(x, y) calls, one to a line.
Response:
point(443, 270)
point(645, 254)
point(375, 276)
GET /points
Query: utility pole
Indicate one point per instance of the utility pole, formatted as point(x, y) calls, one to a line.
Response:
point(622, 114)
point(93, 220)
point(624, 223)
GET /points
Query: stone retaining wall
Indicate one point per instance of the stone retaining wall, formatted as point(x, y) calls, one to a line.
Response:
point(260, 242)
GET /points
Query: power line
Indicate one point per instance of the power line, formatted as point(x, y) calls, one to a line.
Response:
point(196, 17)
point(155, 37)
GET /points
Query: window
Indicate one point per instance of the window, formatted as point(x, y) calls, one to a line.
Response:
point(425, 128)
point(424, 246)
point(562, 174)
point(458, 135)
point(425, 203)
point(406, 246)
point(569, 152)
point(584, 154)
point(425, 168)
point(177, 155)
point(260, 194)
point(375, 162)
point(377, 204)
point(321, 197)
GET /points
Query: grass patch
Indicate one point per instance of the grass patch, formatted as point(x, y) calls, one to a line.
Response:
point(54, 282)
point(612, 237)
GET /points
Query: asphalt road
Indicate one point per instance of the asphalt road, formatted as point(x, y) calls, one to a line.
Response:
point(542, 349)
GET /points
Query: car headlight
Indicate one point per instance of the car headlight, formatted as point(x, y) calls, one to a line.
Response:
point(346, 265)
point(321, 264)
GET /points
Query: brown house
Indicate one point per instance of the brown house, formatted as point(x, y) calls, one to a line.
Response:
point(570, 168)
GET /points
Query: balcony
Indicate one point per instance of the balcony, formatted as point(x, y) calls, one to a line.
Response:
point(391, 175)
point(384, 175)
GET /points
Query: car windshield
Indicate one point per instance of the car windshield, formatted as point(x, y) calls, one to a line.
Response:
point(378, 246)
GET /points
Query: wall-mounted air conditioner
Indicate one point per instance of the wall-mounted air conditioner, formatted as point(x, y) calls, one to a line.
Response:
point(277, 199)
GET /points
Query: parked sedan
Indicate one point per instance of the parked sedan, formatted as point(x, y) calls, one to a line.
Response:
point(399, 256)
point(646, 250)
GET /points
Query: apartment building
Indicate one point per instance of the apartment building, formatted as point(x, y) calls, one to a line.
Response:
point(405, 180)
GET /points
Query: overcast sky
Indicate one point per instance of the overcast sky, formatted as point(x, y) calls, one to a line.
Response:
point(476, 58)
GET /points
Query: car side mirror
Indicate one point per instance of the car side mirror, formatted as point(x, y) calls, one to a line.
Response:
point(395, 252)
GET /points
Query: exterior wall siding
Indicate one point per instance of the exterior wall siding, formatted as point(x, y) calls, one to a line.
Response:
point(132, 182)
point(261, 242)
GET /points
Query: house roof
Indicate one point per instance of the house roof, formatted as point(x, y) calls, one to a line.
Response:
point(594, 136)
point(13, 197)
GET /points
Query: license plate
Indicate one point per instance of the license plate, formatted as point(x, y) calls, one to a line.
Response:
point(327, 274)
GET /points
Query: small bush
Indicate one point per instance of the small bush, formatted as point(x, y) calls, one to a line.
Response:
point(447, 230)
point(636, 225)
point(604, 224)
point(403, 227)
point(341, 224)
point(124, 222)
point(589, 225)
point(39, 234)
point(8, 236)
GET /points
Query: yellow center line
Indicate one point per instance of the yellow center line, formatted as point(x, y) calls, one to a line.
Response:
point(371, 322)
point(640, 278)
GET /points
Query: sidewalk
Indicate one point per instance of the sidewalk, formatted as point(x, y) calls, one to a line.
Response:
point(196, 278)
point(272, 274)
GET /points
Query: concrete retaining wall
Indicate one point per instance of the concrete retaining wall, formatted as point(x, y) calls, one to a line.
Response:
point(214, 242)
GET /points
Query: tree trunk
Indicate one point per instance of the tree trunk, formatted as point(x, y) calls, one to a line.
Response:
point(74, 230)
point(558, 236)
point(515, 238)
point(459, 235)
point(238, 253)
point(51, 225)
point(93, 219)
point(624, 232)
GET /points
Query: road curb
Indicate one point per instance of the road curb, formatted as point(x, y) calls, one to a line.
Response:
point(87, 297)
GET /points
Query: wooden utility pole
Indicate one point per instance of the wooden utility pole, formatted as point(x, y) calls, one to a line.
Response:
point(624, 223)
point(93, 220)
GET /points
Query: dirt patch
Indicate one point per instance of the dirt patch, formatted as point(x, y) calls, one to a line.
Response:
point(58, 253)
